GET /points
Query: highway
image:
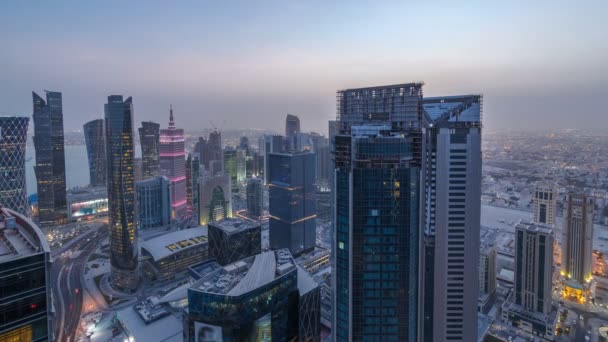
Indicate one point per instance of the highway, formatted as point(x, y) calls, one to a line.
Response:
point(67, 275)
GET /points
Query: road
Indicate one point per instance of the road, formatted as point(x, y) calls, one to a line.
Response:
point(67, 275)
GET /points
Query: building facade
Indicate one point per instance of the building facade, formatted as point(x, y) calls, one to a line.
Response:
point(529, 306)
point(577, 241)
point(233, 239)
point(192, 190)
point(379, 161)
point(121, 193)
point(149, 139)
point(255, 197)
point(292, 128)
point(153, 202)
point(87, 203)
point(94, 137)
point(50, 159)
point(13, 141)
point(173, 166)
point(215, 198)
point(545, 203)
point(25, 274)
point(292, 201)
point(452, 182)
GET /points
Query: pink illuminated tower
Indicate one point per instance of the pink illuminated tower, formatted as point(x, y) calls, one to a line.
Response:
point(172, 165)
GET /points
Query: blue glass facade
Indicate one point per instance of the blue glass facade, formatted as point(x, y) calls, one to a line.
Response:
point(94, 137)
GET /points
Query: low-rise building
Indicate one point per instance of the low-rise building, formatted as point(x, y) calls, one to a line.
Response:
point(172, 253)
point(87, 203)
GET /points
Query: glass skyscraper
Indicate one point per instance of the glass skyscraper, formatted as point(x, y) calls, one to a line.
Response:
point(121, 193)
point(94, 137)
point(192, 191)
point(50, 158)
point(173, 165)
point(149, 136)
point(13, 138)
point(378, 160)
point(292, 201)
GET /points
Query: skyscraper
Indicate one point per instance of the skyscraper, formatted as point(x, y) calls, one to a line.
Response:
point(192, 190)
point(149, 139)
point(50, 158)
point(453, 207)
point(292, 128)
point(255, 197)
point(215, 197)
point(577, 238)
point(215, 150)
point(529, 305)
point(121, 193)
point(230, 166)
point(270, 144)
point(173, 165)
point(153, 202)
point(292, 201)
point(545, 203)
point(244, 144)
point(13, 138)
point(94, 137)
point(379, 161)
point(241, 166)
point(25, 267)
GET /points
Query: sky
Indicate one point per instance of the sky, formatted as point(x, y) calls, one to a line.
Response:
point(246, 64)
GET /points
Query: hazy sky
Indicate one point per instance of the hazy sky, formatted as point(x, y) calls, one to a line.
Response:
point(249, 63)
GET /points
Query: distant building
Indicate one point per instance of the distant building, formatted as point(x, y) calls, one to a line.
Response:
point(172, 253)
point(241, 166)
point(50, 159)
point(255, 197)
point(121, 193)
point(230, 161)
point(577, 241)
point(153, 202)
point(529, 306)
point(95, 139)
point(149, 140)
point(270, 144)
point(487, 279)
point(244, 144)
point(545, 204)
point(25, 270)
point(138, 169)
point(173, 166)
point(233, 239)
point(292, 128)
point(215, 197)
point(215, 152)
point(292, 202)
point(192, 190)
point(13, 142)
point(261, 298)
point(87, 203)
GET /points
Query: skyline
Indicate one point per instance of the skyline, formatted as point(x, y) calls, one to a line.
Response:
point(215, 62)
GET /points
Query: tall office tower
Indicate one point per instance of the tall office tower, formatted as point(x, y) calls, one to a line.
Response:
point(377, 213)
point(230, 166)
point(292, 128)
point(233, 239)
point(149, 139)
point(545, 203)
point(153, 202)
point(241, 166)
point(577, 238)
point(201, 147)
point(487, 271)
point(25, 270)
point(292, 201)
point(453, 206)
point(270, 144)
point(192, 176)
point(215, 197)
point(94, 137)
point(244, 144)
point(138, 169)
point(268, 298)
point(13, 141)
point(121, 193)
point(255, 197)
point(173, 165)
point(529, 305)
point(50, 159)
point(215, 150)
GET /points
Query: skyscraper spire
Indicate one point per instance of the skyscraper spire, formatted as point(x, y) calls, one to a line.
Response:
point(171, 121)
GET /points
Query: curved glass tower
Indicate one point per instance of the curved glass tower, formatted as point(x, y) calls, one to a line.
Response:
point(13, 137)
point(121, 193)
point(96, 151)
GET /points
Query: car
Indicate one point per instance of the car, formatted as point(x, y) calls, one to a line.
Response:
point(581, 317)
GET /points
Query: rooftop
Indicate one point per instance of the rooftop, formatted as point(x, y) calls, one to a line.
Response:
point(234, 225)
point(165, 327)
point(536, 228)
point(80, 194)
point(248, 274)
point(174, 242)
point(461, 108)
point(19, 237)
